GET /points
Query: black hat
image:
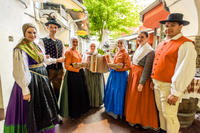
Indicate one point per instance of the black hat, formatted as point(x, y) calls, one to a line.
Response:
point(52, 21)
point(175, 17)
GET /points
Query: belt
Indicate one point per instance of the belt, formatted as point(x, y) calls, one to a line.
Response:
point(36, 65)
point(38, 74)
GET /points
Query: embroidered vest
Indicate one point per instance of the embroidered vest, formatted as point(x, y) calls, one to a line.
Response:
point(55, 50)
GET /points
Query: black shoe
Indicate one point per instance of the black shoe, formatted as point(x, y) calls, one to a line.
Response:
point(60, 121)
point(162, 131)
point(137, 126)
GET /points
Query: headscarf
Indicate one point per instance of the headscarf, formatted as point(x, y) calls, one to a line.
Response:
point(124, 42)
point(72, 38)
point(26, 26)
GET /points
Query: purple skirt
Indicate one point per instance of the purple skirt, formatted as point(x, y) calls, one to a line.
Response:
point(16, 115)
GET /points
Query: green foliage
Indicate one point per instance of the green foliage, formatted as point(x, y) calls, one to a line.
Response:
point(114, 50)
point(77, 10)
point(67, 45)
point(84, 36)
point(100, 51)
point(114, 15)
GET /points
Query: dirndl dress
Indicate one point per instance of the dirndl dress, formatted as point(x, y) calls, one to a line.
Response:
point(115, 92)
point(96, 86)
point(74, 99)
point(40, 114)
point(140, 107)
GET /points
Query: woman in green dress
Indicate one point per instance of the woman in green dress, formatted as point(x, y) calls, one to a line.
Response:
point(94, 80)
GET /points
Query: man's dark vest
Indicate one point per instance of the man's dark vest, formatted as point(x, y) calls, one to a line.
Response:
point(55, 50)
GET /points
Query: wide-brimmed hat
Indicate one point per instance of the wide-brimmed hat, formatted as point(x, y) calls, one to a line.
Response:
point(175, 17)
point(52, 21)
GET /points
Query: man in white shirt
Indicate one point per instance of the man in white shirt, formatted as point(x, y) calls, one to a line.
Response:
point(173, 70)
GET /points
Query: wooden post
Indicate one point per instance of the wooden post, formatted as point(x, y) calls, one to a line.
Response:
point(162, 34)
point(155, 39)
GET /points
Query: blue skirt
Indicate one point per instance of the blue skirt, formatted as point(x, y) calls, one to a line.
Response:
point(115, 92)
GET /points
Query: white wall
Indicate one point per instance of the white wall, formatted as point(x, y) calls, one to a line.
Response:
point(12, 20)
point(188, 8)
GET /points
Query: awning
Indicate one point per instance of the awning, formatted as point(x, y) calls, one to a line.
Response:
point(151, 18)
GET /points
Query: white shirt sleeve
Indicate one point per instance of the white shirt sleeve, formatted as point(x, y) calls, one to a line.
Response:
point(48, 61)
point(21, 71)
point(185, 68)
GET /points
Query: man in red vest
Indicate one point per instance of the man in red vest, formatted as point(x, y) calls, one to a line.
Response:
point(173, 69)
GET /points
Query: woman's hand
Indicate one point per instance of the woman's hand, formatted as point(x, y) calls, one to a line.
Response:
point(84, 65)
point(112, 66)
point(75, 65)
point(27, 97)
point(119, 65)
point(140, 87)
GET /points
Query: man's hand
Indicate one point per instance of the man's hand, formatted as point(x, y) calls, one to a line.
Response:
point(140, 87)
point(27, 97)
point(47, 56)
point(60, 60)
point(171, 99)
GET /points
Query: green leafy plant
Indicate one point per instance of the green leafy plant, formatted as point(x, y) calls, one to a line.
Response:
point(114, 15)
point(114, 50)
point(100, 51)
point(66, 45)
point(84, 36)
point(77, 10)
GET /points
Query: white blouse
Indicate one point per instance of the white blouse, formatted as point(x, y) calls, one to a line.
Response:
point(21, 71)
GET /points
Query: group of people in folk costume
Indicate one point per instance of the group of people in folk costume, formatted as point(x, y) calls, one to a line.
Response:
point(155, 81)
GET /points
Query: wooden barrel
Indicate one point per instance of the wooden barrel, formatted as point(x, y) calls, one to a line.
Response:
point(186, 112)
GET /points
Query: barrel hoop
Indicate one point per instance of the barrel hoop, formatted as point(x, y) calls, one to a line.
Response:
point(186, 115)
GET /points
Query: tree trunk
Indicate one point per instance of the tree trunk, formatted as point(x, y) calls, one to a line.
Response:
point(104, 37)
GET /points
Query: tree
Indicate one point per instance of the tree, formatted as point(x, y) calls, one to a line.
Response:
point(111, 15)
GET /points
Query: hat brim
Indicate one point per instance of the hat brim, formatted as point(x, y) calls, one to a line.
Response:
point(184, 22)
point(59, 26)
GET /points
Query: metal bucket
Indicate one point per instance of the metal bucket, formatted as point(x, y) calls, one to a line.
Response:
point(186, 112)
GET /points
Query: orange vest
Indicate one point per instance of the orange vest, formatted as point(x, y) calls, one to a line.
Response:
point(165, 59)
